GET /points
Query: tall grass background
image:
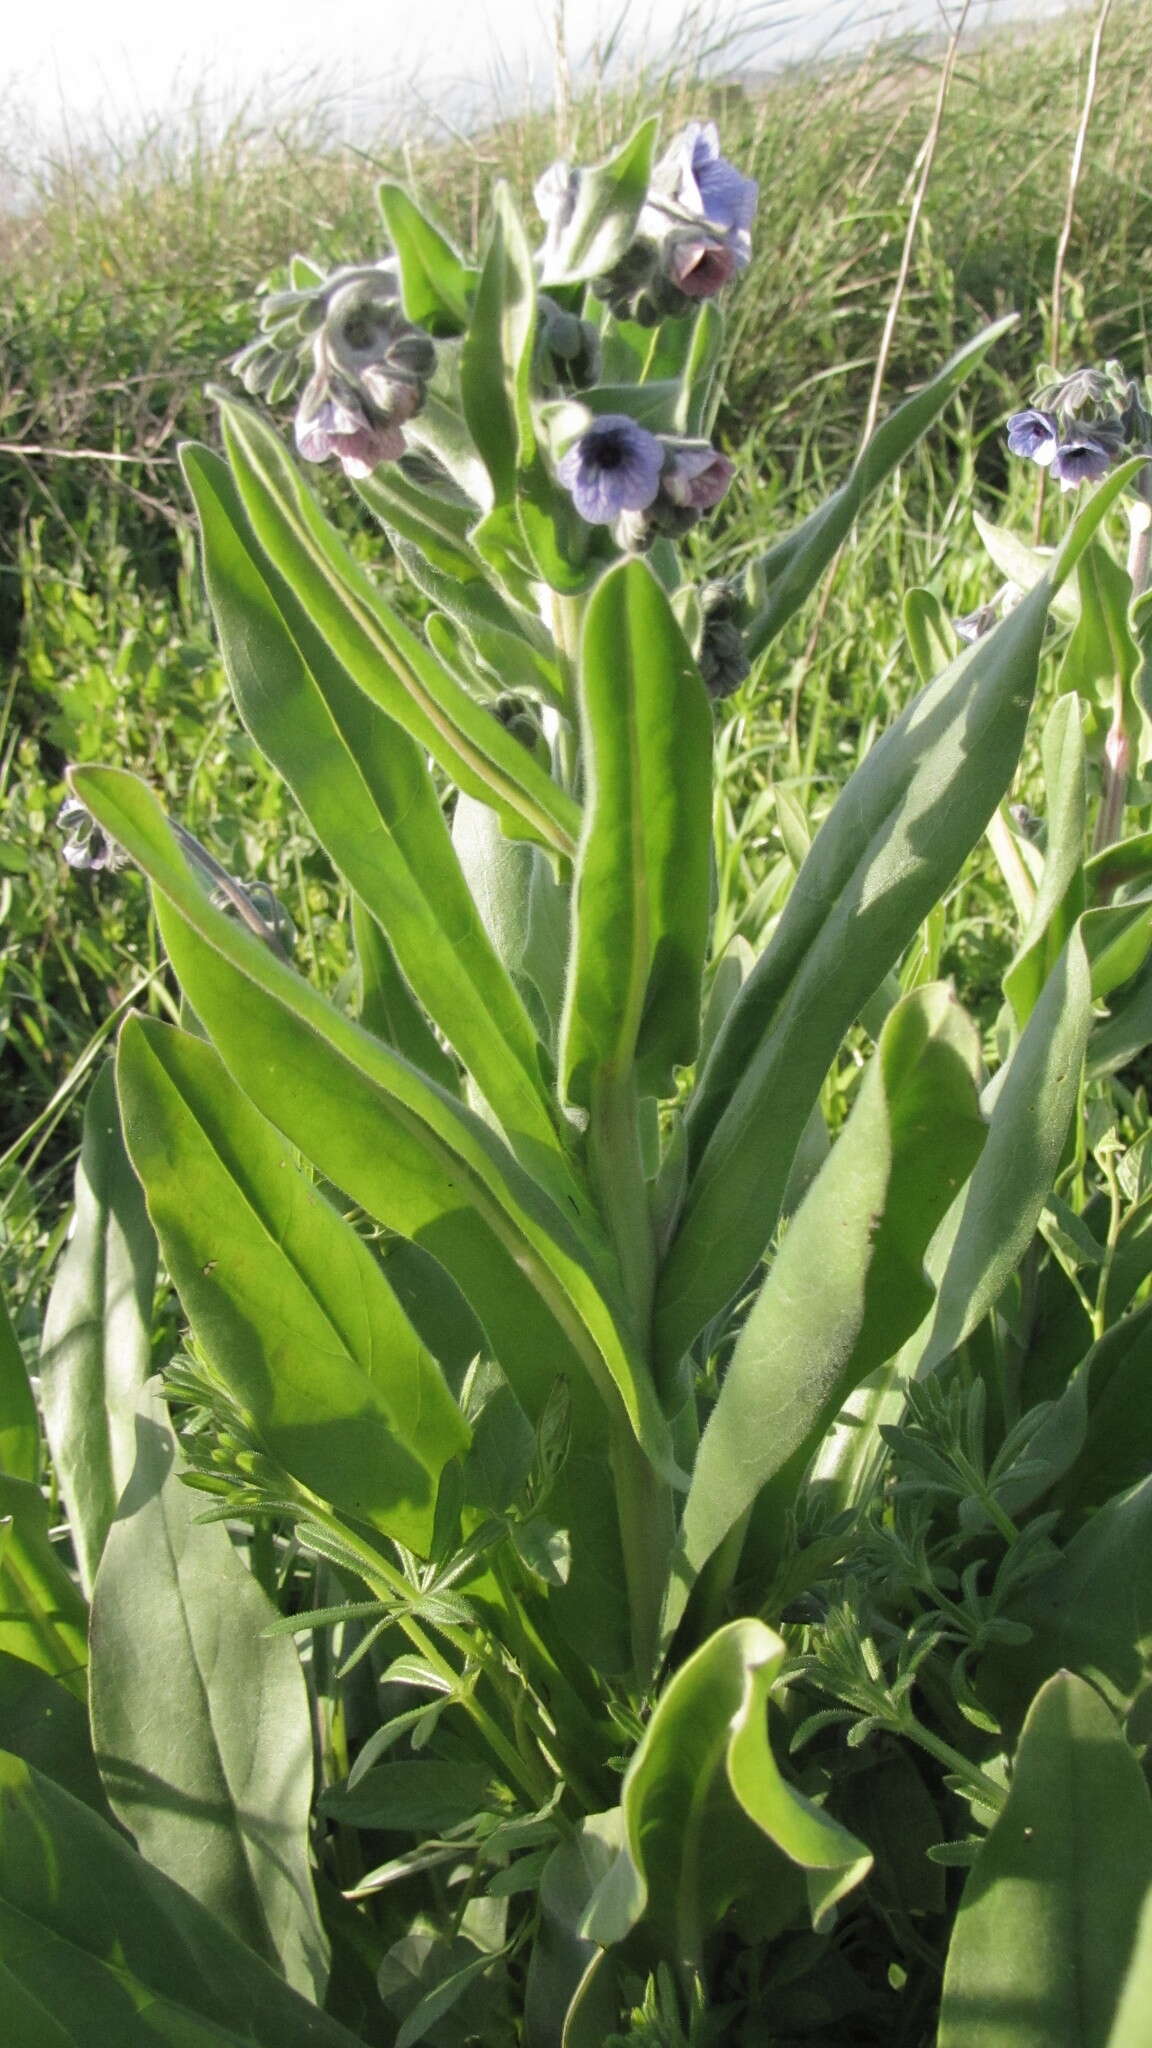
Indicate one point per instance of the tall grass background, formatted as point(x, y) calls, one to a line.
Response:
point(896, 217)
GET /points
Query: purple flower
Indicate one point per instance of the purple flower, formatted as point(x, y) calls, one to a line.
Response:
point(369, 372)
point(729, 198)
point(698, 266)
point(329, 427)
point(697, 477)
point(1034, 434)
point(694, 184)
point(1082, 461)
point(614, 467)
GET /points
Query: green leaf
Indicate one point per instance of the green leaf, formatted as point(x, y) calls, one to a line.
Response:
point(1022, 565)
point(609, 197)
point(847, 1285)
point(902, 826)
point(880, 862)
point(930, 634)
point(701, 1797)
point(1049, 1917)
point(561, 1954)
point(1060, 897)
point(42, 1615)
point(381, 654)
point(783, 578)
point(435, 282)
point(536, 1274)
point(19, 1422)
point(1130, 2027)
point(433, 523)
point(387, 1007)
point(416, 1798)
point(292, 1313)
point(496, 359)
point(102, 1942)
point(1101, 651)
point(201, 1725)
point(524, 909)
point(1035, 1095)
point(1117, 1448)
point(97, 1342)
point(365, 786)
point(642, 880)
point(1092, 1613)
point(46, 1725)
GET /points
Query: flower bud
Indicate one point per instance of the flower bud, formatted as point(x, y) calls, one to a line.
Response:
point(570, 347)
point(722, 659)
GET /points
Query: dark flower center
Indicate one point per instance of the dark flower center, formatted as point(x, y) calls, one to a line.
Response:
point(609, 449)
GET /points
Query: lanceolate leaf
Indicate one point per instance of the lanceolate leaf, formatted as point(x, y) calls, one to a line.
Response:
point(535, 1272)
point(790, 570)
point(366, 788)
point(388, 1008)
point(892, 843)
point(847, 1285)
point(642, 879)
point(496, 359)
point(607, 205)
point(1035, 1096)
point(97, 1343)
point(290, 1308)
point(201, 1724)
point(1049, 1919)
point(95, 1938)
point(383, 656)
point(700, 1788)
point(435, 281)
point(1060, 897)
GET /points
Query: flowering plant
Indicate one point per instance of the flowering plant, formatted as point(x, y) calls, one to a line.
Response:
point(669, 1488)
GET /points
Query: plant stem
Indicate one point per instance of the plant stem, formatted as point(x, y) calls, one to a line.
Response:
point(990, 1793)
point(388, 1585)
point(1117, 747)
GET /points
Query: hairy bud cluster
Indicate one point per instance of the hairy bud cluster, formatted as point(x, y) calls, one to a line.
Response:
point(369, 365)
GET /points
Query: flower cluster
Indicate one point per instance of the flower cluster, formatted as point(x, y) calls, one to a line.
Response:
point(370, 366)
point(640, 483)
point(1081, 425)
point(692, 235)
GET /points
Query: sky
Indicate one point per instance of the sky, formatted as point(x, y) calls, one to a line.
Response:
point(105, 66)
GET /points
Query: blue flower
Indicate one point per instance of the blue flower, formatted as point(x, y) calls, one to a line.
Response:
point(694, 187)
point(1083, 460)
point(614, 467)
point(1035, 434)
point(728, 198)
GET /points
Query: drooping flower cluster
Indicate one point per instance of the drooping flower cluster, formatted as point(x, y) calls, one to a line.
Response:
point(1081, 425)
point(692, 235)
point(642, 484)
point(370, 366)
